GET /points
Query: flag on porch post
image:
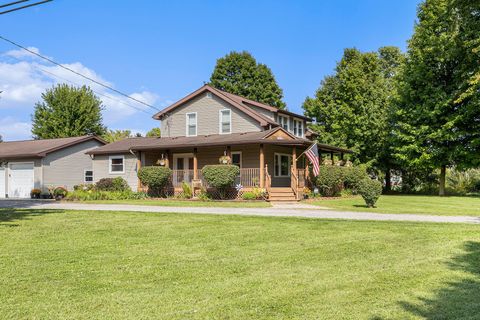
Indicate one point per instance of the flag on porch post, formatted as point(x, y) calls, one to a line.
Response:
point(312, 155)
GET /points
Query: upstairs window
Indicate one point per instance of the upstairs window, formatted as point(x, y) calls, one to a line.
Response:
point(298, 128)
point(283, 121)
point(191, 124)
point(225, 121)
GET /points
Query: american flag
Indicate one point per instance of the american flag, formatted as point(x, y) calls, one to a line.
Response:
point(312, 155)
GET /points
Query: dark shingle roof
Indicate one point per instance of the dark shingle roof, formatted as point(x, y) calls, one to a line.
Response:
point(39, 148)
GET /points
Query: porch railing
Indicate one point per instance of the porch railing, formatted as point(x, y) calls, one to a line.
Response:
point(294, 181)
point(248, 177)
point(268, 180)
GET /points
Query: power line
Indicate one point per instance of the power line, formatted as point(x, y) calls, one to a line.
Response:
point(12, 3)
point(96, 92)
point(23, 7)
point(78, 73)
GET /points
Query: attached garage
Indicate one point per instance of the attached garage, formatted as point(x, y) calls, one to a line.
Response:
point(40, 164)
point(3, 180)
point(20, 179)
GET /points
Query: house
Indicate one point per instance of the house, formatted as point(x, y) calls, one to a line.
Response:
point(29, 164)
point(263, 141)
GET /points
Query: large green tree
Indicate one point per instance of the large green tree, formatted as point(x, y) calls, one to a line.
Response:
point(117, 135)
point(154, 132)
point(438, 112)
point(239, 73)
point(352, 107)
point(67, 111)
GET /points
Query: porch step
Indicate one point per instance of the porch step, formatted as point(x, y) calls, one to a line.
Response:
point(281, 194)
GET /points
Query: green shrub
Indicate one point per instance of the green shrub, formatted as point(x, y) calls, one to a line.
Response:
point(155, 178)
point(187, 190)
point(463, 182)
point(112, 184)
point(83, 195)
point(203, 195)
point(84, 186)
point(220, 177)
point(370, 191)
point(60, 192)
point(249, 195)
point(353, 176)
point(330, 180)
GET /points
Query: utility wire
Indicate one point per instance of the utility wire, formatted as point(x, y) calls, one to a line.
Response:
point(78, 73)
point(76, 84)
point(24, 7)
point(12, 3)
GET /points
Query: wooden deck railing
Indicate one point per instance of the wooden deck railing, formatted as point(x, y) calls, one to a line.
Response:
point(248, 177)
point(268, 180)
point(294, 181)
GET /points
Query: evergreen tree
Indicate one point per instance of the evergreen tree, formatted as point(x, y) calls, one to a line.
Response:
point(240, 74)
point(67, 111)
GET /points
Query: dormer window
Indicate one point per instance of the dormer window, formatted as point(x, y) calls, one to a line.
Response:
point(191, 124)
point(283, 121)
point(225, 121)
point(298, 128)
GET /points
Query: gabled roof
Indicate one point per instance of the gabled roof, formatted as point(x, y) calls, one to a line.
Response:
point(241, 103)
point(40, 148)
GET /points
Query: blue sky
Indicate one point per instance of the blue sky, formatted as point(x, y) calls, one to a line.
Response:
point(160, 51)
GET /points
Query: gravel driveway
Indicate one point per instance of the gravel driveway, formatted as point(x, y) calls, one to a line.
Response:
point(278, 210)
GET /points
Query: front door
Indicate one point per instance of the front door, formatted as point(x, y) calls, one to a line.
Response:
point(183, 167)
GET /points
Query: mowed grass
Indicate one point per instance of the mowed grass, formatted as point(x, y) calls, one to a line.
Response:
point(186, 203)
point(434, 205)
point(125, 265)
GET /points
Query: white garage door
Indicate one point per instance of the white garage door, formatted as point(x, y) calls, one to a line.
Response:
point(2, 182)
point(20, 180)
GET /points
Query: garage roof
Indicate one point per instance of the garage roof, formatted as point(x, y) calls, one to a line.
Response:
point(39, 148)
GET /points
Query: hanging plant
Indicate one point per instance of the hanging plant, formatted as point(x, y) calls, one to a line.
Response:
point(225, 160)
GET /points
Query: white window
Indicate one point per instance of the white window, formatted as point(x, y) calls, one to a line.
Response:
point(237, 158)
point(283, 121)
point(116, 164)
point(282, 165)
point(225, 121)
point(191, 124)
point(298, 128)
point(88, 176)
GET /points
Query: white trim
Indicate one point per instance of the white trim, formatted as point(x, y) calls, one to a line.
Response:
point(183, 156)
point(287, 119)
point(110, 164)
point(85, 175)
point(220, 121)
point(241, 157)
point(275, 161)
point(186, 124)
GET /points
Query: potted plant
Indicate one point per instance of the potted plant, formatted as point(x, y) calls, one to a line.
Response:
point(35, 193)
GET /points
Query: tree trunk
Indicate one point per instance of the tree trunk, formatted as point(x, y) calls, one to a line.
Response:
point(443, 170)
point(388, 180)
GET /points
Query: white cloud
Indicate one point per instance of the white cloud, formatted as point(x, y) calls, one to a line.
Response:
point(10, 129)
point(20, 53)
point(23, 82)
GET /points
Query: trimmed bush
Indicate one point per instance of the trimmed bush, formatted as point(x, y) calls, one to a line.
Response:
point(155, 178)
point(370, 191)
point(84, 195)
point(353, 176)
point(220, 177)
point(330, 181)
point(112, 184)
point(249, 195)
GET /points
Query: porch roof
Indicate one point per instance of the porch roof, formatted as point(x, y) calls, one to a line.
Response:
point(261, 137)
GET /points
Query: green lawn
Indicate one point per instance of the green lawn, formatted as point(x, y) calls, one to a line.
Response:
point(451, 206)
point(187, 203)
point(123, 265)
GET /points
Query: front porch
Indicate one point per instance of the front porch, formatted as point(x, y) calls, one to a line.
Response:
point(265, 166)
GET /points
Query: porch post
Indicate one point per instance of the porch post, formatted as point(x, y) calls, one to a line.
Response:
point(294, 158)
point(229, 152)
point(139, 166)
point(262, 167)
point(167, 159)
point(195, 164)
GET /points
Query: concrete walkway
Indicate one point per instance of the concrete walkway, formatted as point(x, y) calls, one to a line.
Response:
point(278, 210)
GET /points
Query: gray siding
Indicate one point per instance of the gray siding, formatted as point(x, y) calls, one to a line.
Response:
point(101, 169)
point(263, 112)
point(66, 167)
point(207, 110)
